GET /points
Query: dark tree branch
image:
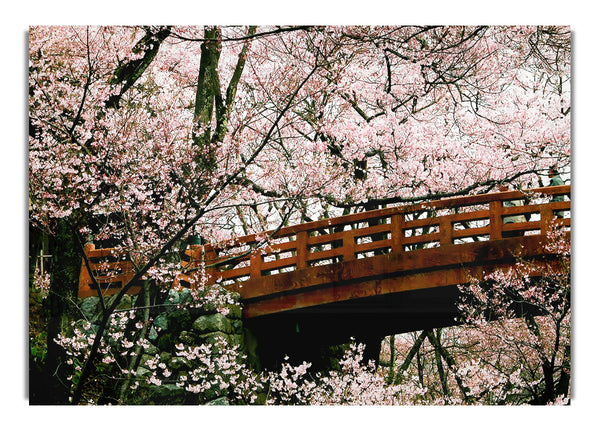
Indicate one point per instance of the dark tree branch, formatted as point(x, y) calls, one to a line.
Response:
point(248, 35)
point(409, 357)
point(451, 363)
point(128, 73)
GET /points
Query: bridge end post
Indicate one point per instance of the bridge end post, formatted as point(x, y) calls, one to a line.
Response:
point(208, 254)
point(85, 280)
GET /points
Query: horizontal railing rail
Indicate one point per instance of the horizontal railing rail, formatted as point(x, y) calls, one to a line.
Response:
point(439, 223)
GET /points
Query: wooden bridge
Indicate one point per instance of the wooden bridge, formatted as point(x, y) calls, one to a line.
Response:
point(395, 269)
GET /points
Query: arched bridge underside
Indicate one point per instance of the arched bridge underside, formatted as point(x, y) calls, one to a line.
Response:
point(364, 275)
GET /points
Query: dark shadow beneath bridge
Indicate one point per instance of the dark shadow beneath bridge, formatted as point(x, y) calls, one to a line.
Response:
point(307, 334)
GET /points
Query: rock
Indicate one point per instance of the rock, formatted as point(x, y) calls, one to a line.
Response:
point(236, 339)
point(187, 338)
point(178, 363)
point(165, 357)
point(151, 350)
point(162, 322)
point(185, 296)
point(165, 342)
point(250, 348)
point(126, 303)
point(212, 338)
point(167, 394)
point(153, 334)
point(215, 340)
point(222, 401)
point(182, 296)
point(143, 372)
point(212, 323)
point(238, 326)
point(179, 320)
point(235, 311)
point(90, 306)
point(172, 298)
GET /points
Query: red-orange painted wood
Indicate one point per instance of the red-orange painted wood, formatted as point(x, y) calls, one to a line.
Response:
point(427, 244)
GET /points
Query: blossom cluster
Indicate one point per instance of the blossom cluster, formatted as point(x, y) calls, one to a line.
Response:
point(356, 383)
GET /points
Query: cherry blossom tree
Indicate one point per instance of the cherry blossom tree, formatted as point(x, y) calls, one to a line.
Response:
point(355, 383)
point(142, 137)
point(532, 353)
point(512, 345)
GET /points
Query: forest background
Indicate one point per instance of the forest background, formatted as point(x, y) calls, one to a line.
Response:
point(585, 151)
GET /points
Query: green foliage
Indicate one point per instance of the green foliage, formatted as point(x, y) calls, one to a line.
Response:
point(37, 332)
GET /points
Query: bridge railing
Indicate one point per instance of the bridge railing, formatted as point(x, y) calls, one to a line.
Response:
point(439, 223)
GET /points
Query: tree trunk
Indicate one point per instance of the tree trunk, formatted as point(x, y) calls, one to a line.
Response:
point(135, 360)
point(562, 388)
point(64, 284)
point(438, 361)
point(451, 364)
point(409, 357)
point(208, 89)
point(392, 357)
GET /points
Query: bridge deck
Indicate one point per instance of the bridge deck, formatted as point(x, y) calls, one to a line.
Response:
point(373, 253)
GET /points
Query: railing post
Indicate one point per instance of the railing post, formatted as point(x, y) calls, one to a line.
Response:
point(301, 249)
point(348, 245)
point(89, 246)
point(255, 264)
point(397, 232)
point(209, 254)
point(546, 216)
point(495, 220)
point(192, 252)
point(445, 231)
point(85, 279)
point(127, 271)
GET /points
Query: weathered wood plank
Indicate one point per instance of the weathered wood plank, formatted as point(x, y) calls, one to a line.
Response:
point(279, 263)
point(363, 289)
point(384, 265)
point(324, 254)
